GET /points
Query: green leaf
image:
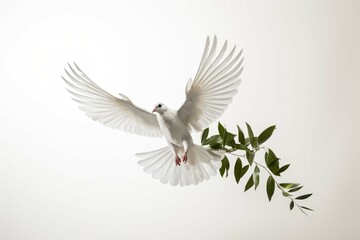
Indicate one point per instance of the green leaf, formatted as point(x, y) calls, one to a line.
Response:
point(216, 146)
point(285, 194)
point(237, 170)
point(221, 129)
point(244, 170)
point(306, 208)
point(270, 187)
point(274, 165)
point(256, 176)
point(224, 167)
point(204, 135)
point(241, 147)
point(295, 189)
point(253, 140)
point(247, 141)
point(266, 134)
point(230, 139)
point(241, 136)
point(212, 140)
point(272, 162)
point(250, 131)
point(282, 169)
point(302, 197)
point(270, 158)
point(250, 156)
point(224, 137)
point(249, 183)
point(291, 205)
point(289, 185)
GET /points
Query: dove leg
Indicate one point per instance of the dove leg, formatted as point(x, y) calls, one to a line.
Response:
point(184, 158)
point(187, 144)
point(177, 160)
point(175, 149)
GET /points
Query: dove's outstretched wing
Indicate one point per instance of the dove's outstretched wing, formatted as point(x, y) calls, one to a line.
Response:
point(113, 112)
point(213, 88)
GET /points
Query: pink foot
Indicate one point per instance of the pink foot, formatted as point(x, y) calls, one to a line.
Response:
point(177, 160)
point(185, 157)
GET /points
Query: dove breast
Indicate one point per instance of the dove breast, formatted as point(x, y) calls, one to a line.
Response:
point(173, 129)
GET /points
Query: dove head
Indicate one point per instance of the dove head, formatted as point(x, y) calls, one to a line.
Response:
point(160, 108)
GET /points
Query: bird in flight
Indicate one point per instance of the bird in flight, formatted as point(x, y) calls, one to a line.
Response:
point(181, 162)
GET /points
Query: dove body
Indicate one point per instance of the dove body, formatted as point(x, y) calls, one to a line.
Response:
point(174, 130)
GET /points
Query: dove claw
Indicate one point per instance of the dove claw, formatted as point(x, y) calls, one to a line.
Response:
point(177, 160)
point(185, 157)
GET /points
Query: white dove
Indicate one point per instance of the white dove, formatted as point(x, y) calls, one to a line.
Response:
point(182, 162)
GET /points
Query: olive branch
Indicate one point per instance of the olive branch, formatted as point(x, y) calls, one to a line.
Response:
point(250, 146)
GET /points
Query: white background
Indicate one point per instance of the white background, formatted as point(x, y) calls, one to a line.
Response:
point(63, 176)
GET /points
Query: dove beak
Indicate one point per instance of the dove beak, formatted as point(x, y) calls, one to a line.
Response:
point(154, 110)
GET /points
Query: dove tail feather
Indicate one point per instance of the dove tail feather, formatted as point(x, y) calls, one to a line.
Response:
point(202, 163)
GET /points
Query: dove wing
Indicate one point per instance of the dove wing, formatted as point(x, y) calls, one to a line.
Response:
point(99, 105)
point(213, 87)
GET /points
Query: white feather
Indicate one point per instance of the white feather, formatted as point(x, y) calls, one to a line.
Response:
point(213, 87)
point(113, 112)
point(161, 165)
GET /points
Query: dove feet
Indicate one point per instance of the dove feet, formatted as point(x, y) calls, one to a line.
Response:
point(178, 160)
point(185, 157)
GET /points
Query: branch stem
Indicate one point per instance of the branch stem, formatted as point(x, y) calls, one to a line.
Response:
point(278, 185)
point(231, 151)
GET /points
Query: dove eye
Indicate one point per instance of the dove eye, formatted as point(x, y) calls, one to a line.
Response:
point(159, 105)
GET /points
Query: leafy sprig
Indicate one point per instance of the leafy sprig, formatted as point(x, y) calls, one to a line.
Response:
point(251, 146)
